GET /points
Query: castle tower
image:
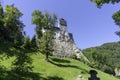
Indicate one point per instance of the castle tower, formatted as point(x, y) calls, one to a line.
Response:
point(62, 24)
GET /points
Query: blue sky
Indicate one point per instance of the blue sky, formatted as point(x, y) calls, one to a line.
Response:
point(89, 25)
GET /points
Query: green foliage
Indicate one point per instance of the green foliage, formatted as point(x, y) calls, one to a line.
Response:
point(17, 67)
point(116, 17)
point(27, 43)
point(22, 63)
point(33, 43)
point(105, 57)
point(101, 2)
point(38, 20)
point(11, 27)
point(45, 24)
point(12, 21)
point(1, 11)
point(73, 56)
point(1, 22)
point(11, 40)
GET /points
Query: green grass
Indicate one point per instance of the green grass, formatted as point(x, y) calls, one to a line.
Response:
point(61, 69)
point(55, 69)
point(68, 69)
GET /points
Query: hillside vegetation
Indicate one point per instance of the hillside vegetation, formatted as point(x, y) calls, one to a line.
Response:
point(55, 69)
point(105, 57)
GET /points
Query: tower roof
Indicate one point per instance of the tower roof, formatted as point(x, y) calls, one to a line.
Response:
point(63, 22)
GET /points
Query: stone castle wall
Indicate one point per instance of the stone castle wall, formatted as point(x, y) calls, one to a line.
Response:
point(64, 45)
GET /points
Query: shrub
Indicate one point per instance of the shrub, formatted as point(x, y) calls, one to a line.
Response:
point(73, 56)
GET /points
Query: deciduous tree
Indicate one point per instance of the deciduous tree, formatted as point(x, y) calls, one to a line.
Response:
point(45, 24)
point(12, 25)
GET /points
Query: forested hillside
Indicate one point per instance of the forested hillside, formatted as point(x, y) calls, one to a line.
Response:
point(24, 64)
point(105, 57)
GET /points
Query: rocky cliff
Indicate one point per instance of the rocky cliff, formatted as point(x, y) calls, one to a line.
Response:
point(64, 45)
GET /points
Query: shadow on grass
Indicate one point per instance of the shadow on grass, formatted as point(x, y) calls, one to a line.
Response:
point(60, 60)
point(22, 62)
point(67, 65)
point(11, 75)
point(54, 78)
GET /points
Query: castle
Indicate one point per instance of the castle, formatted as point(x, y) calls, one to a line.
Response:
point(64, 45)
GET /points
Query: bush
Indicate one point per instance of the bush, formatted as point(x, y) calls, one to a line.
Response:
point(73, 56)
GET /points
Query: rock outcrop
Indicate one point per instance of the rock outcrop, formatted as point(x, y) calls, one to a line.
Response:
point(64, 45)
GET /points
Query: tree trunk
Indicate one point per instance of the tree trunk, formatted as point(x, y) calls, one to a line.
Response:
point(46, 57)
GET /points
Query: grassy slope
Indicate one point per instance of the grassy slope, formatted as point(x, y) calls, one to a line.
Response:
point(68, 69)
point(55, 69)
point(64, 69)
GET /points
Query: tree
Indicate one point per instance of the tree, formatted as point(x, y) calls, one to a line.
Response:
point(11, 35)
point(45, 24)
point(33, 43)
point(1, 21)
point(27, 43)
point(116, 15)
point(99, 3)
point(104, 57)
point(38, 20)
point(13, 25)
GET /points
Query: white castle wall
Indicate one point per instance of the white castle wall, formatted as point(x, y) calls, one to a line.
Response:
point(64, 44)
